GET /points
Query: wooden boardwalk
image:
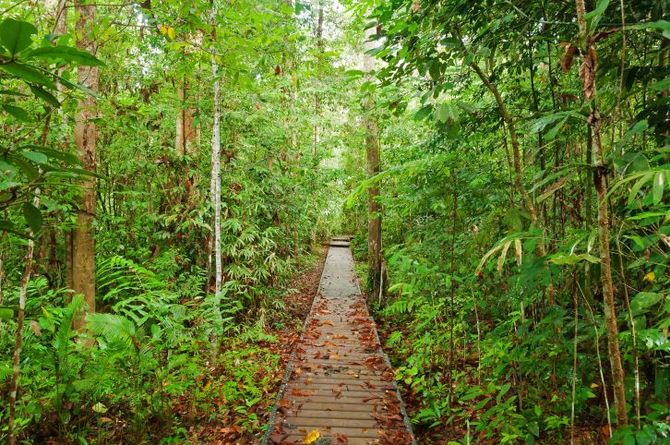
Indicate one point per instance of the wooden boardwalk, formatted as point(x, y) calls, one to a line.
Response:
point(339, 386)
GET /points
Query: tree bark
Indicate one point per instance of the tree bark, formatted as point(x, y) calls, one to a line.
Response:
point(587, 73)
point(317, 96)
point(372, 151)
point(185, 131)
point(16, 372)
point(514, 140)
point(518, 165)
point(215, 185)
point(85, 134)
point(3, 249)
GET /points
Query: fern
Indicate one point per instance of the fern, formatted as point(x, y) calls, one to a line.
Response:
point(114, 328)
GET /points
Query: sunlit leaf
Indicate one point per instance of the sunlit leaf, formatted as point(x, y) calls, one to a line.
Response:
point(16, 35)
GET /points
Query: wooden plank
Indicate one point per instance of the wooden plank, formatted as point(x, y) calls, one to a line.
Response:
point(335, 405)
point(340, 381)
point(371, 433)
point(302, 420)
point(345, 399)
point(299, 440)
point(353, 415)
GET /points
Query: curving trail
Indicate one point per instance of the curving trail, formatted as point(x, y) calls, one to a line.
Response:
point(339, 388)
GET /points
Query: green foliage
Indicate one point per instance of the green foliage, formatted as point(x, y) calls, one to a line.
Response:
point(163, 358)
point(494, 314)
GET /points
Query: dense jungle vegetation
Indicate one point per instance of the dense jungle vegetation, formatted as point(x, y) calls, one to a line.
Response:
point(169, 171)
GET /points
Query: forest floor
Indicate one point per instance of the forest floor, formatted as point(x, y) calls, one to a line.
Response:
point(286, 327)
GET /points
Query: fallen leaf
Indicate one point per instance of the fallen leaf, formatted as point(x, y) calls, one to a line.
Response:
point(300, 393)
point(312, 437)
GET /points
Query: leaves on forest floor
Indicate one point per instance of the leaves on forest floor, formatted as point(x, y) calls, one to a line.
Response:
point(301, 393)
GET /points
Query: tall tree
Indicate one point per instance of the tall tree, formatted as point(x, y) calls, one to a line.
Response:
point(587, 73)
point(185, 131)
point(215, 184)
point(86, 136)
point(372, 151)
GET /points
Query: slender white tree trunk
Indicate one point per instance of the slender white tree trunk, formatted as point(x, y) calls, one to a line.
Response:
point(215, 194)
point(23, 291)
point(215, 185)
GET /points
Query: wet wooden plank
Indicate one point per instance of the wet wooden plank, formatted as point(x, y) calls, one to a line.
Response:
point(340, 384)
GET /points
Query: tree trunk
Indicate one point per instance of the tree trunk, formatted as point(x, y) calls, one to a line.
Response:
point(514, 139)
point(3, 249)
point(85, 134)
point(587, 72)
point(518, 165)
point(374, 209)
point(215, 184)
point(185, 131)
point(23, 291)
point(372, 151)
point(317, 96)
point(215, 181)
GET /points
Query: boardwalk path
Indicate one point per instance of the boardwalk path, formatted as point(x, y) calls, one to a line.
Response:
point(339, 383)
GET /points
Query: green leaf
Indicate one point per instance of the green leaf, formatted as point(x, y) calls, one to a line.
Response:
point(16, 35)
point(434, 70)
point(423, 113)
point(638, 185)
point(72, 85)
point(27, 74)
point(99, 408)
point(6, 314)
point(446, 113)
point(353, 74)
point(33, 216)
point(46, 96)
point(572, 259)
point(66, 53)
point(648, 215)
point(36, 157)
point(642, 438)
point(594, 16)
point(661, 25)
point(644, 300)
point(19, 113)
point(551, 134)
point(13, 93)
point(69, 158)
point(659, 186)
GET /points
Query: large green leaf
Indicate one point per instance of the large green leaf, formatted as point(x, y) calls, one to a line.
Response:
point(644, 300)
point(65, 53)
point(46, 96)
point(33, 216)
point(572, 259)
point(661, 25)
point(16, 35)
point(35, 156)
point(594, 16)
point(6, 313)
point(659, 185)
point(18, 112)
point(446, 113)
point(27, 74)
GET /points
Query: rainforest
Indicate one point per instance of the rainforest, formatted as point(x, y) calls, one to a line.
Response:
point(332, 222)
